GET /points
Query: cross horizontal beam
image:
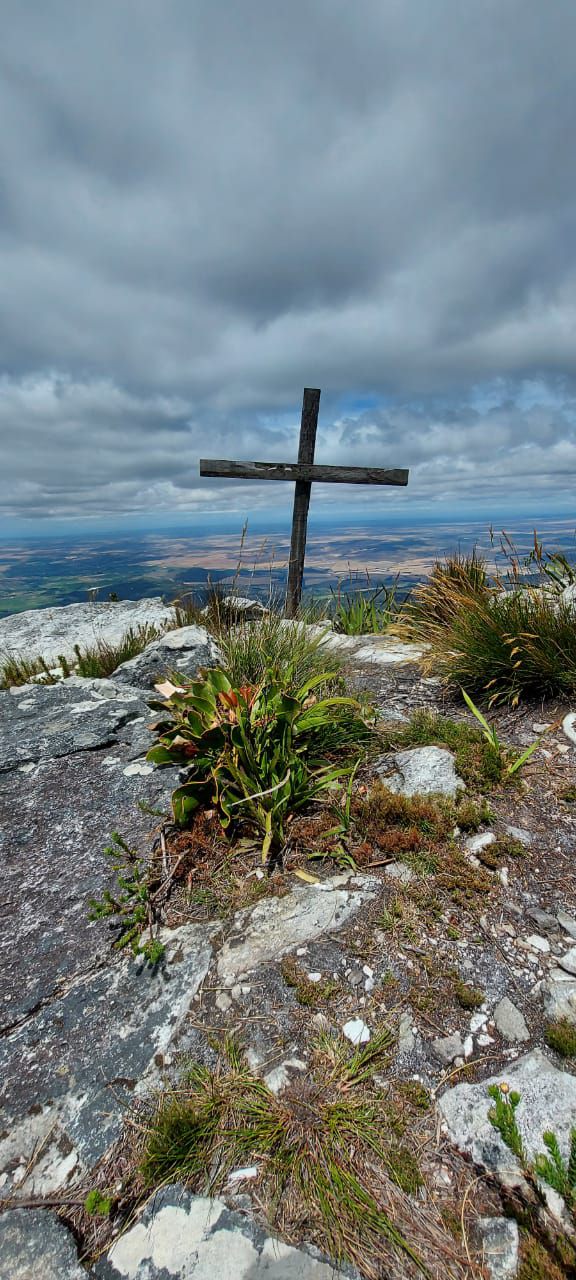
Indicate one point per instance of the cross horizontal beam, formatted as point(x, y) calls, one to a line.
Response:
point(309, 472)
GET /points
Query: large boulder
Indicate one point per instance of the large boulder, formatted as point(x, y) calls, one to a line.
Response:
point(33, 1243)
point(185, 650)
point(47, 633)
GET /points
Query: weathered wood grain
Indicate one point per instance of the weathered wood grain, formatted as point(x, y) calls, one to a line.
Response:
point(303, 489)
point(309, 473)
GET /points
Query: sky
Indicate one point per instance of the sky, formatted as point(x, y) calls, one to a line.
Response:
point(205, 207)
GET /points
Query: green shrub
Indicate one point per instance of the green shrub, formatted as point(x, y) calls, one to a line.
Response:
point(131, 904)
point(324, 1150)
point(364, 611)
point(561, 1036)
point(255, 753)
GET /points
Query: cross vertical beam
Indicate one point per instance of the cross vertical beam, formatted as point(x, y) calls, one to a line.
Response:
point(303, 489)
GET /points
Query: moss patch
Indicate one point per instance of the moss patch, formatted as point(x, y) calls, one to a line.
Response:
point(561, 1036)
point(307, 992)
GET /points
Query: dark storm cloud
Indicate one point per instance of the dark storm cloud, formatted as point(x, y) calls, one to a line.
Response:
point(204, 207)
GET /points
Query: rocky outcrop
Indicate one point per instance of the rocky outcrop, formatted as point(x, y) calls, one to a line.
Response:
point(51, 632)
point(548, 1101)
point(184, 650)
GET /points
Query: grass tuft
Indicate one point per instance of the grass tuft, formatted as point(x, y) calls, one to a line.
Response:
point(323, 1149)
point(290, 653)
point(500, 645)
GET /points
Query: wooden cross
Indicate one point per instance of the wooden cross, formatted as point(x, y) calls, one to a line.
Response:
point(304, 472)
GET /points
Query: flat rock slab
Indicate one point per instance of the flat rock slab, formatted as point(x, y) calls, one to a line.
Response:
point(184, 1237)
point(548, 1101)
point(35, 1245)
point(421, 771)
point(43, 722)
point(69, 1071)
point(277, 925)
point(51, 632)
point(185, 650)
point(384, 650)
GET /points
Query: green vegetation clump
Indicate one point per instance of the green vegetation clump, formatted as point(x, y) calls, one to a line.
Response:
point(323, 1148)
point(364, 611)
point(468, 997)
point(549, 1166)
point(477, 761)
point(256, 753)
point(500, 645)
point(307, 992)
point(561, 1036)
point(398, 824)
point(287, 653)
point(97, 1204)
point(131, 905)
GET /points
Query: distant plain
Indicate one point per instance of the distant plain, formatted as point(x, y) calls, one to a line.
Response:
point(44, 572)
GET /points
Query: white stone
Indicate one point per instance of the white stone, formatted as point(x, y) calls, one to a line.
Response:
point(569, 726)
point(475, 844)
point(567, 923)
point(510, 1021)
point(421, 771)
point(280, 1076)
point(537, 943)
point(499, 1240)
point(356, 1031)
point(241, 1175)
point(276, 926)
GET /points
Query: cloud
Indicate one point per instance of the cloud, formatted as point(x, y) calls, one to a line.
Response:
point(206, 207)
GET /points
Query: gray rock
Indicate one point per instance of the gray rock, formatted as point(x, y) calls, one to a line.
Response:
point(567, 923)
point(475, 844)
point(519, 833)
point(399, 871)
point(56, 819)
point(510, 1021)
point(447, 1048)
point(46, 722)
point(548, 1101)
point(542, 919)
point(406, 1036)
point(241, 607)
point(499, 1240)
point(278, 925)
point(185, 650)
point(184, 1237)
point(559, 993)
point(34, 1244)
point(69, 1070)
point(421, 771)
point(50, 632)
point(568, 961)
